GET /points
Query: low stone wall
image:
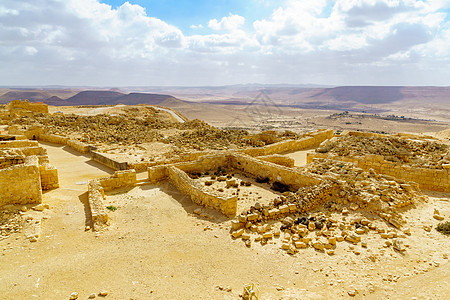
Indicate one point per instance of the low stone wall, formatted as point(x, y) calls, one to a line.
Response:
point(96, 197)
point(199, 195)
point(428, 179)
point(49, 177)
point(308, 141)
point(98, 157)
point(252, 166)
point(96, 194)
point(18, 144)
point(21, 184)
point(53, 138)
point(78, 146)
point(258, 168)
point(6, 162)
point(32, 133)
point(203, 164)
point(119, 179)
point(278, 159)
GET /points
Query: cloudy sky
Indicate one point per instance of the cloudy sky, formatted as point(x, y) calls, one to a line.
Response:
point(219, 42)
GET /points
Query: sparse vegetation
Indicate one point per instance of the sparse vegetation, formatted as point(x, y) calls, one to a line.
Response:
point(111, 208)
point(444, 228)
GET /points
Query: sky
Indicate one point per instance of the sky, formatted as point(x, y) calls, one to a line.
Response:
point(219, 42)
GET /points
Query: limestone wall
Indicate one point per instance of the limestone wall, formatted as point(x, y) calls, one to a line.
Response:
point(199, 195)
point(97, 206)
point(278, 159)
point(157, 173)
point(78, 146)
point(252, 166)
point(119, 179)
point(49, 177)
point(29, 189)
point(8, 161)
point(53, 138)
point(18, 144)
point(263, 169)
point(108, 161)
point(202, 165)
point(310, 140)
point(428, 179)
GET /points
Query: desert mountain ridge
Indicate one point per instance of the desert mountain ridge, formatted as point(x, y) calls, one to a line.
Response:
point(373, 99)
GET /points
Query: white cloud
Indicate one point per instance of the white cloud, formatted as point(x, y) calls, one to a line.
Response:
point(87, 42)
point(199, 26)
point(230, 23)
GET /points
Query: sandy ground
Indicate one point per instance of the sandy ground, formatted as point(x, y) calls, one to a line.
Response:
point(258, 117)
point(158, 248)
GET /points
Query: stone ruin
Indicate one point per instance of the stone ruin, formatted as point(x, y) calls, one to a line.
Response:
point(354, 184)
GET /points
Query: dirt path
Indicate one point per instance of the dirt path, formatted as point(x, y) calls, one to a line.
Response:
point(177, 117)
point(157, 248)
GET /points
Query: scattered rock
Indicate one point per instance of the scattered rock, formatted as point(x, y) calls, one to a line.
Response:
point(238, 233)
point(73, 296)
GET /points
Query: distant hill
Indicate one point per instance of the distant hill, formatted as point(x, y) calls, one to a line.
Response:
point(93, 98)
point(54, 100)
point(111, 98)
point(33, 96)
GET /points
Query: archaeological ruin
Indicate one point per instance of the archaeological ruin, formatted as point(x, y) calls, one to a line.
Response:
point(353, 193)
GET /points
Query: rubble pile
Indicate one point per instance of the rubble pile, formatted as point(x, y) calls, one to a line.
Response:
point(415, 153)
point(133, 128)
point(11, 221)
point(344, 189)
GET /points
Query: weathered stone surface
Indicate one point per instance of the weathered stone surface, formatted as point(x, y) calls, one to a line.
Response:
point(398, 245)
point(238, 233)
point(353, 238)
point(318, 245)
point(300, 245)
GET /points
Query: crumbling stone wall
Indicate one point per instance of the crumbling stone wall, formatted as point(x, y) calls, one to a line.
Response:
point(119, 179)
point(278, 159)
point(49, 177)
point(96, 196)
point(29, 189)
point(309, 141)
point(428, 179)
point(252, 166)
point(26, 105)
point(263, 169)
point(18, 144)
point(199, 195)
point(24, 149)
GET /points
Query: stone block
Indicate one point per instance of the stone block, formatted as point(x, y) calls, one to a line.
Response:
point(284, 209)
point(353, 238)
point(238, 233)
point(300, 245)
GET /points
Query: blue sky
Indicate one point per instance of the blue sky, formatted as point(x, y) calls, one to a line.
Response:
point(184, 13)
point(219, 42)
